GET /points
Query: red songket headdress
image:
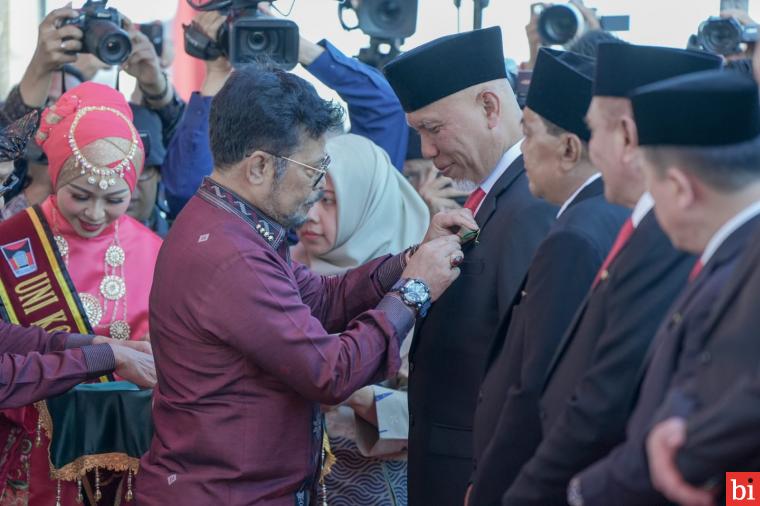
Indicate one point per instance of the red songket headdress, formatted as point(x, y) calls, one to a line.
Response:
point(83, 115)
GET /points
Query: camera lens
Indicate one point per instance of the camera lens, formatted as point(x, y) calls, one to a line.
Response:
point(249, 37)
point(260, 41)
point(114, 49)
point(108, 42)
point(559, 24)
point(388, 13)
point(721, 36)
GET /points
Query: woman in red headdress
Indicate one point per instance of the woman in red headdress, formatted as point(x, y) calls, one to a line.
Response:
point(95, 156)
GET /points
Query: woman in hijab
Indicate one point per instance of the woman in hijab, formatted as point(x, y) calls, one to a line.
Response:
point(94, 158)
point(368, 210)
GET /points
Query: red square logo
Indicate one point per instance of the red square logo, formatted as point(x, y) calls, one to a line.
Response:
point(742, 489)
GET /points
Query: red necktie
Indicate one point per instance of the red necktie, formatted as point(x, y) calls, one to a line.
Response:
point(695, 270)
point(474, 200)
point(625, 233)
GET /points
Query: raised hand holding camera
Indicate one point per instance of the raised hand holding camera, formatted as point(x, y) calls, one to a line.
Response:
point(102, 31)
point(56, 46)
point(57, 42)
point(144, 65)
point(562, 24)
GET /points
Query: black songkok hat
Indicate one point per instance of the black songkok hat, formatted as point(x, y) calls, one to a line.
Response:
point(13, 138)
point(621, 68)
point(560, 89)
point(713, 108)
point(445, 66)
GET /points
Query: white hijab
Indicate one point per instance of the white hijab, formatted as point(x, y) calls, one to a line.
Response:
point(379, 212)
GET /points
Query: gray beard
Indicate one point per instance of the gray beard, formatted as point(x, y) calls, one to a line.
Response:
point(294, 222)
point(464, 185)
point(298, 219)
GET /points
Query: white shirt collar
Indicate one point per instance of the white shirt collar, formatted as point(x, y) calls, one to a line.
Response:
point(506, 160)
point(727, 229)
point(642, 208)
point(577, 192)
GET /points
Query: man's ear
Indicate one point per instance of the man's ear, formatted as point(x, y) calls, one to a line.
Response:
point(259, 167)
point(630, 137)
point(571, 148)
point(491, 105)
point(684, 186)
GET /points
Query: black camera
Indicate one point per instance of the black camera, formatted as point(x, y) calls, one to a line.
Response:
point(725, 36)
point(383, 19)
point(387, 22)
point(103, 32)
point(563, 24)
point(245, 36)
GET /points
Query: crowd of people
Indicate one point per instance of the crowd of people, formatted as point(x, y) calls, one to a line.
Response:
point(461, 300)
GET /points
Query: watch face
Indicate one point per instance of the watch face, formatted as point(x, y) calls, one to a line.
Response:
point(416, 292)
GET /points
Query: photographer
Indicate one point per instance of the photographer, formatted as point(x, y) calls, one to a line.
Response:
point(56, 66)
point(147, 204)
point(157, 92)
point(59, 44)
point(534, 38)
point(373, 108)
point(55, 48)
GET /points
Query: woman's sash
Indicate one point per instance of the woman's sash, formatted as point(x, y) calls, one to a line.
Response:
point(35, 288)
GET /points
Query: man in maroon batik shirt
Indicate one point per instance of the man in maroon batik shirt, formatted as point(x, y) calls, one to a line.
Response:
point(248, 343)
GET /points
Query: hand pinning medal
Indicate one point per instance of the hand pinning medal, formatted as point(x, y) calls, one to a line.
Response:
point(468, 235)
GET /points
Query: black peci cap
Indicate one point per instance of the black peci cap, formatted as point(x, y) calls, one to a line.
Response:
point(620, 68)
point(560, 89)
point(714, 108)
point(445, 66)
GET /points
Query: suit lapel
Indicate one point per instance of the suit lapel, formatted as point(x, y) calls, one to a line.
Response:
point(733, 246)
point(568, 336)
point(747, 264)
point(488, 208)
point(595, 189)
point(484, 214)
point(678, 308)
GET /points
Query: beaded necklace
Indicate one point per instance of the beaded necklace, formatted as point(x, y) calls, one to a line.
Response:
point(113, 287)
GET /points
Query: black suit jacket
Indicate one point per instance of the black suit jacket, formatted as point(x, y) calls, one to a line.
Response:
point(718, 389)
point(723, 437)
point(624, 473)
point(449, 350)
point(593, 381)
point(507, 428)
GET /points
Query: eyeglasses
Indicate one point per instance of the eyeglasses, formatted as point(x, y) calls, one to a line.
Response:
point(12, 182)
point(324, 164)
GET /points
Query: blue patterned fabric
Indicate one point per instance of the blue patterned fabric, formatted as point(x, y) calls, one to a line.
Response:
point(358, 480)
